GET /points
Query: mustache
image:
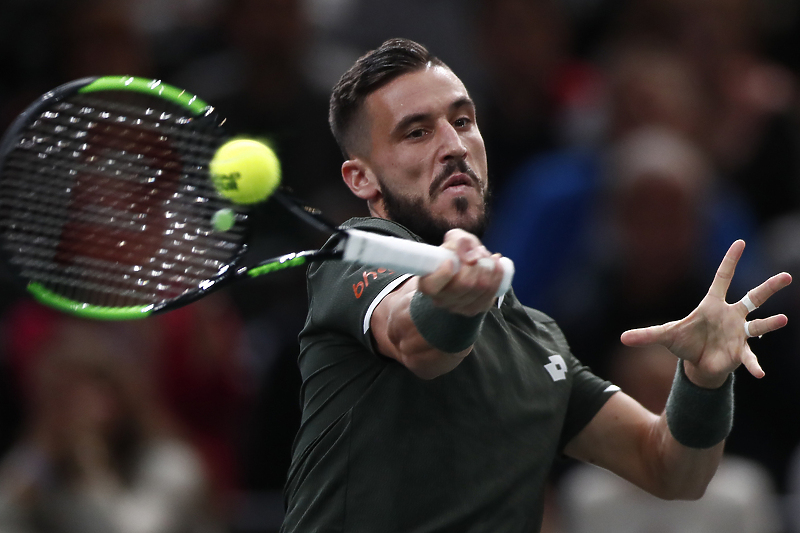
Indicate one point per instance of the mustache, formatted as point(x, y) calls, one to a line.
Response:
point(451, 168)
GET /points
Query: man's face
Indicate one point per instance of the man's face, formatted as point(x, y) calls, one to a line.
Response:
point(427, 154)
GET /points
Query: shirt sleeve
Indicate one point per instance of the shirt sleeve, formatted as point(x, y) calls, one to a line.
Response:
point(343, 296)
point(588, 392)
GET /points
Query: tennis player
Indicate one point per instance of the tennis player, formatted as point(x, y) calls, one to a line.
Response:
point(431, 405)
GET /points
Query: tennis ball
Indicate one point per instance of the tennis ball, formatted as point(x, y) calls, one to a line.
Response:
point(245, 171)
point(224, 219)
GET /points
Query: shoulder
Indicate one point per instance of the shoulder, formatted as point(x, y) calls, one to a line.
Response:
point(380, 225)
point(332, 270)
point(512, 304)
point(538, 316)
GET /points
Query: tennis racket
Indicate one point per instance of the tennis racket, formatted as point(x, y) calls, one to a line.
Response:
point(107, 207)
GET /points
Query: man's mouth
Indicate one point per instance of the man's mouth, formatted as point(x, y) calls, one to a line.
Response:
point(457, 176)
point(458, 180)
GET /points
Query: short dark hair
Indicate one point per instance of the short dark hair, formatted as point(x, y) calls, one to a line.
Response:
point(369, 73)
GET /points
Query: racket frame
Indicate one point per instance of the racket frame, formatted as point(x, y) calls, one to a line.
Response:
point(200, 111)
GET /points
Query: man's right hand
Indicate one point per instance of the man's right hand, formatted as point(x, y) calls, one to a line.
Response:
point(470, 290)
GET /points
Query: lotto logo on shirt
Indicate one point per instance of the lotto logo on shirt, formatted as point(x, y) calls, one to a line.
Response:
point(557, 367)
point(366, 277)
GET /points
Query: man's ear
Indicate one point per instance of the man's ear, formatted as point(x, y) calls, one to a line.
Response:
point(361, 180)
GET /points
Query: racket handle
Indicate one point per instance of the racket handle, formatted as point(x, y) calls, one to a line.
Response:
point(407, 256)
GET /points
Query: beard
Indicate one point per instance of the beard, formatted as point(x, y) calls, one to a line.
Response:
point(415, 216)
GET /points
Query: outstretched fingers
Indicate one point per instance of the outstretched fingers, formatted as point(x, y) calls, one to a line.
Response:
point(722, 279)
point(750, 362)
point(762, 326)
point(764, 292)
point(756, 328)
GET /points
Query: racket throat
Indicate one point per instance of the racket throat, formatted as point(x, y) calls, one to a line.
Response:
point(310, 215)
point(294, 259)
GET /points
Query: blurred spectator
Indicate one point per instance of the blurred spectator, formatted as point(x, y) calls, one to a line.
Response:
point(792, 503)
point(202, 364)
point(99, 452)
point(176, 30)
point(193, 362)
point(654, 85)
point(750, 98)
point(660, 192)
point(344, 29)
point(552, 218)
point(99, 38)
point(531, 78)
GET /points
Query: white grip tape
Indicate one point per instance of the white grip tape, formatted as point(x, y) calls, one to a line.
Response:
point(508, 275)
point(407, 256)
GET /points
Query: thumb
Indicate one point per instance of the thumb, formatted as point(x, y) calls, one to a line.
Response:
point(646, 336)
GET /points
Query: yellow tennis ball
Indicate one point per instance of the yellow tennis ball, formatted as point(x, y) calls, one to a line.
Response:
point(245, 171)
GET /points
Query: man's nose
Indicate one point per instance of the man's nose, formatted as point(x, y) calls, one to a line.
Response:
point(452, 144)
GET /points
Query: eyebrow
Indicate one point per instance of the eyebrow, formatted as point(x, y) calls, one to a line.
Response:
point(405, 122)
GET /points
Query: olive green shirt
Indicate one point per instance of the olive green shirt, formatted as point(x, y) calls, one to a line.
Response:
point(381, 450)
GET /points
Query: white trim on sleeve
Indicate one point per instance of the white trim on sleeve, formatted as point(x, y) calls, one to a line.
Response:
point(381, 295)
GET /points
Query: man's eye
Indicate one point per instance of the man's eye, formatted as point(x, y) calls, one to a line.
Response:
point(461, 122)
point(416, 134)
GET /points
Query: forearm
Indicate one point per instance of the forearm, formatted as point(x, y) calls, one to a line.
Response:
point(398, 337)
point(693, 427)
point(673, 455)
point(678, 471)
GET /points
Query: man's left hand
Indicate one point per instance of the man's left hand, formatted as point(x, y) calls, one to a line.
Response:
point(712, 340)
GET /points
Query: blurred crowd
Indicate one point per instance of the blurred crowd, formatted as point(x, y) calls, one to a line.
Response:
point(629, 143)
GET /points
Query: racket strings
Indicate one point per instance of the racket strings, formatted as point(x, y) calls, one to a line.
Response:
point(109, 203)
point(33, 177)
point(192, 142)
